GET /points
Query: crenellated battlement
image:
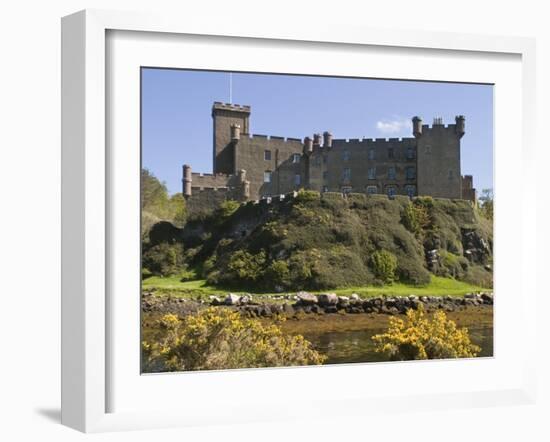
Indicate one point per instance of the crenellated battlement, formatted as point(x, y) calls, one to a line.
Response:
point(218, 105)
point(373, 141)
point(262, 137)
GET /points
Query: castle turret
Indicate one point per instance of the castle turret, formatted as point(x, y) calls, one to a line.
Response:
point(187, 180)
point(417, 126)
point(308, 145)
point(316, 140)
point(327, 140)
point(245, 185)
point(460, 127)
point(235, 132)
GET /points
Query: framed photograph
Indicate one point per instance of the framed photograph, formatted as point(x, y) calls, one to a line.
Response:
point(252, 217)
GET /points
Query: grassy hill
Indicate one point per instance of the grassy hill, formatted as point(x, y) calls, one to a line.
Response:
point(314, 242)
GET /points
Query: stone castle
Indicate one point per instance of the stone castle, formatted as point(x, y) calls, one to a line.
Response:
point(252, 167)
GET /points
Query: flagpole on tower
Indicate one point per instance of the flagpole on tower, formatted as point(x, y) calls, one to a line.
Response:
point(231, 87)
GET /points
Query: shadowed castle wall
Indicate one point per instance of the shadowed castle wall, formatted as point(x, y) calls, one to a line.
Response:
point(438, 151)
point(250, 155)
point(346, 165)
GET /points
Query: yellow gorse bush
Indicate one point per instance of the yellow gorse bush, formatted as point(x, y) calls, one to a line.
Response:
point(218, 338)
point(419, 337)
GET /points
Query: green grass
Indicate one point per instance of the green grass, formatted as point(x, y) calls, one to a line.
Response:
point(438, 286)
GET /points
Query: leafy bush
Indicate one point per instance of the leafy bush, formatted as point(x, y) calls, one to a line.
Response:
point(384, 265)
point(217, 338)
point(452, 265)
point(304, 196)
point(278, 274)
point(164, 259)
point(243, 268)
point(416, 219)
point(422, 338)
point(227, 208)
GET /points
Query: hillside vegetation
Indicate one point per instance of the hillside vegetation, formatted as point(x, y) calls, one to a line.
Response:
point(316, 242)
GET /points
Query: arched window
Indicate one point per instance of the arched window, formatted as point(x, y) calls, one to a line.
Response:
point(371, 190)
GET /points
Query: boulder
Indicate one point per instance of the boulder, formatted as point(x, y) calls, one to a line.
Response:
point(288, 309)
point(355, 297)
point(326, 299)
point(245, 300)
point(343, 301)
point(232, 299)
point(306, 298)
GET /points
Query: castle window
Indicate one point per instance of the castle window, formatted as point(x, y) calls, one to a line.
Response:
point(371, 154)
point(371, 173)
point(410, 190)
point(325, 175)
point(267, 176)
point(267, 155)
point(371, 190)
point(391, 191)
point(296, 158)
point(346, 155)
point(297, 179)
point(325, 188)
point(410, 153)
point(347, 174)
point(411, 173)
point(346, 189)
point(391, 153)
point(391, 173)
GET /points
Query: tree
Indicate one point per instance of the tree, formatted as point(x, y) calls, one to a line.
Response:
point(157, 205)
point(486, 200)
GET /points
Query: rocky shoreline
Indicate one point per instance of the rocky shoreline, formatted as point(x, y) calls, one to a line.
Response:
point(307, 303)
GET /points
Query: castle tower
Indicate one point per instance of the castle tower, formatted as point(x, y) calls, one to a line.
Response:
point(438, 158)
point(327, 140)
point(187, 180)
point(230, 120)
point(308, 145)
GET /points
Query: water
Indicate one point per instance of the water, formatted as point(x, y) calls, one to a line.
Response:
point(357, 346)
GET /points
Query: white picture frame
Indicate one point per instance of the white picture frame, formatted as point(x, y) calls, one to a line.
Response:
point(87, 207)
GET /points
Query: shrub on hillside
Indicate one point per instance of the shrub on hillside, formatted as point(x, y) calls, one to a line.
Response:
point(419, 337)
point(163, 259)
point(412, 270)
point(242, 268)
point(216, 339)
point(452, 265)
point(416, 219)
point(384, 265)
point(304, 196)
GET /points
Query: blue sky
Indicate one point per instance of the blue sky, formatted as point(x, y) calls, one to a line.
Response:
point(177, 122)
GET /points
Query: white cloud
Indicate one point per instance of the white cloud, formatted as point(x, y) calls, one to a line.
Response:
point(398, 125)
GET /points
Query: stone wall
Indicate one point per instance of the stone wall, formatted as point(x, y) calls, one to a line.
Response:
point(345, 166)
point(250, 155)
